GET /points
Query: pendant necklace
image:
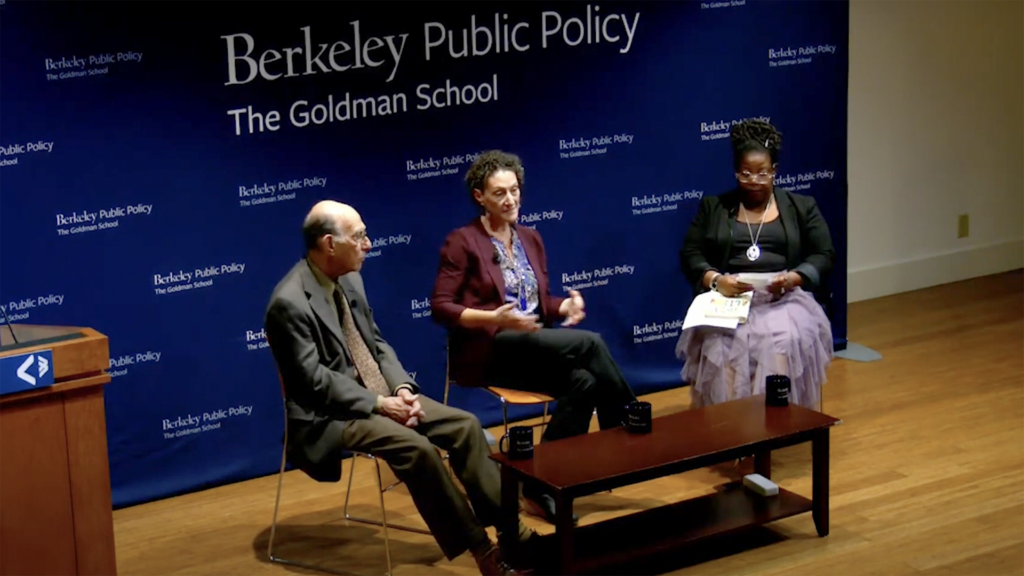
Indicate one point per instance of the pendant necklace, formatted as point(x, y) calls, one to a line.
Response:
point(754, 252)
point(521, 291)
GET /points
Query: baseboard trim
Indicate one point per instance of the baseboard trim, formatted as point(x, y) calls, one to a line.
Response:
point(972, 262)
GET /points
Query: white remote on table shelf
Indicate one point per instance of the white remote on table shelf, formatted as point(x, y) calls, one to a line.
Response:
point(760, 484)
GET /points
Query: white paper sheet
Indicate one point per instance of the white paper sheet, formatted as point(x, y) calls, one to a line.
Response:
point(759, 280)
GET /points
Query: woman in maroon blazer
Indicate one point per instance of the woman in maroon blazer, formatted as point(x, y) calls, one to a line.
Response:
point(493, 295)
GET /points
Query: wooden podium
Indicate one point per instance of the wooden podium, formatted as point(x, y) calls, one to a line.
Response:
point(56, 515)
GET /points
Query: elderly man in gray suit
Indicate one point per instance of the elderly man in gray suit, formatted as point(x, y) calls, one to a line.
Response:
point(346, 389)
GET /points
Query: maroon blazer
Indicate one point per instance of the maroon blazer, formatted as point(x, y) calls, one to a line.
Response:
point(468, 276)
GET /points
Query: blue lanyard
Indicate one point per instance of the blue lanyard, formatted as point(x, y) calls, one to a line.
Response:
point(522, 291)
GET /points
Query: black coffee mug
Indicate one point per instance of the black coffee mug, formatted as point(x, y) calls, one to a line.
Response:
point(520, 443)
point(638, 417)
point(777, 390)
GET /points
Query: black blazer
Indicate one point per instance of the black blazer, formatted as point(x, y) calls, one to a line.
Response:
point(709, 240)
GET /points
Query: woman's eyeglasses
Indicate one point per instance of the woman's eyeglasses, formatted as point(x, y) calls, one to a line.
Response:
point(760, 177)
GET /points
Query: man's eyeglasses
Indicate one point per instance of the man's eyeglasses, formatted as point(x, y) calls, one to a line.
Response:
point(760, 177)
point(358, 237)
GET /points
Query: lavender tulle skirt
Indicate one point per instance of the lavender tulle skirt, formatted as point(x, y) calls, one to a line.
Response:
point(790, 335)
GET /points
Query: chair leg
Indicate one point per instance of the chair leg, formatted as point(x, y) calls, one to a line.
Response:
point(348, 492)
point(273, 531)
point(277, 505)
point(384, 516)
point(382, 491)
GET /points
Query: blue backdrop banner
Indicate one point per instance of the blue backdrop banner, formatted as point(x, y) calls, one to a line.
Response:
point(157, 160)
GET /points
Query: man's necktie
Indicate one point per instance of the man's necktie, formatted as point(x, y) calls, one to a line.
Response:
point(366, 364)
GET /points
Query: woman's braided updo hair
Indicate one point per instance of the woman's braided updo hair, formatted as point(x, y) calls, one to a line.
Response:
point(754, 135)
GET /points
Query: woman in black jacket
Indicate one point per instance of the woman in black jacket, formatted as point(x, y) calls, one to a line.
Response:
point(758, 228)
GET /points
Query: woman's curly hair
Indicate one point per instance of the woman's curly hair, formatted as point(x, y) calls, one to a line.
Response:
point(486, 164)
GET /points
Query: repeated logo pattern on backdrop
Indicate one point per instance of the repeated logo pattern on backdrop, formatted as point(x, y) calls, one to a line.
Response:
point(155, 178)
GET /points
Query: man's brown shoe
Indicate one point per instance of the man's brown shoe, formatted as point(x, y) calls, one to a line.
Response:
point(492, 564)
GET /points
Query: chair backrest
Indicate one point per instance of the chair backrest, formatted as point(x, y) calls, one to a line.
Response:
point(824, 295)
point(447, 369)
point(284, 395)
point(280, 379)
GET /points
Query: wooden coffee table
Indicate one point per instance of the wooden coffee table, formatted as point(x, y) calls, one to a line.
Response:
point(596, 462)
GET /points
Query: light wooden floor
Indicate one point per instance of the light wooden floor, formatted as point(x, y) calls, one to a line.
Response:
point(927, 471)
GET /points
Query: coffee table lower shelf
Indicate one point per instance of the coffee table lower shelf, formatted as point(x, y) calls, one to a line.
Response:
point(648, 532)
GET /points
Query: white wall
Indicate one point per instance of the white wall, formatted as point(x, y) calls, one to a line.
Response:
point(936, 129)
